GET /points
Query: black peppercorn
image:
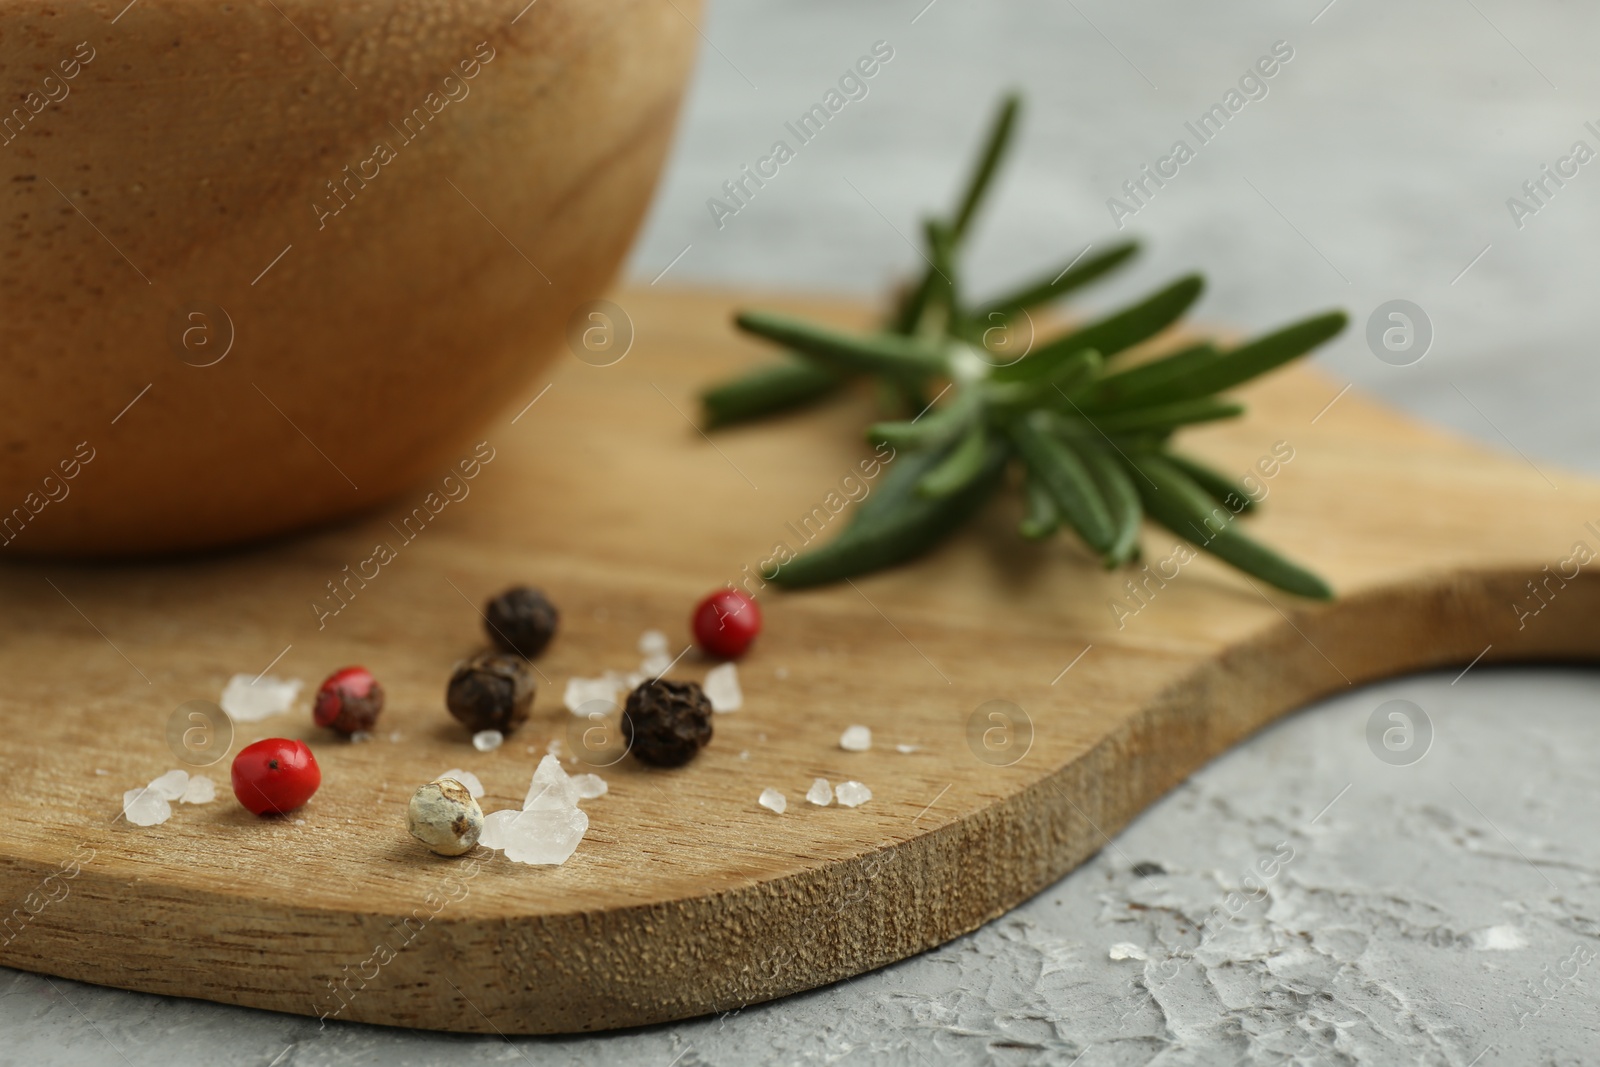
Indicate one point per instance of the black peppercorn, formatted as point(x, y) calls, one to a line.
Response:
point(491, 692)
point(521, 620)
point(666, 723)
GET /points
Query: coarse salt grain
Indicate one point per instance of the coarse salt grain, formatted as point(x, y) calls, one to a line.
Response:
point(722, 688)
point(250, 699)
point(487, 740)
point(551, 788)
point(360, 736)
point(652, 643)
point(550, 825)
point(820, 793)
point(581, 692)
point(200, 790)
point(145, 807)
point(906, 750)
point(171, 785)
point(773, 801)
point(852, 794)
point(1127, 950)
point(855, 739)
point(466, 778)
point(547, 836)
point(655, 666)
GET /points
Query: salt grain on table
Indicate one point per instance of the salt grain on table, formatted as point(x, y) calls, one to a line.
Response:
point(250, 699)
point(652, 643)
point(172, 784)
point(654, 666)
point(545, 836)
point(551, 788)
point(906, 750)
point(200, 790)
point(487, 740)
point(590, 786)
point(722, 688)
point(773, 801)
point(820, 793)
point(852, 794)
point(581, 692)
point(550, 825)
point(856, 739)
point(466, 778)
point(145, 807)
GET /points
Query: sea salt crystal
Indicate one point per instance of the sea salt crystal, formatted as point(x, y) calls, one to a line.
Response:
point(820, 793)
point(487, 740)
point(250, 699)
point(554, 748)
point(551, 788)
point(101, 771)
point(466, 778)
point(722, 688)
point(656, 665)
point(171, 785)
point(582, 691)
point(395, 737)
point(855, 739)
point(906, 750)
point(652, 643)
point(773, 800)
point(145, 807)
point(852, 794)
point(744, 753)
point(543, 836)
point(1127, 950)
point(200, 790)
point(359, 736)
point(590, 786)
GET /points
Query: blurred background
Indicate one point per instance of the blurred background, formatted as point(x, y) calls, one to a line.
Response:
point(1435, 912)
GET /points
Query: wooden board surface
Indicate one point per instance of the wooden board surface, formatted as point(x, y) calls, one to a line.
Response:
point(686, 897)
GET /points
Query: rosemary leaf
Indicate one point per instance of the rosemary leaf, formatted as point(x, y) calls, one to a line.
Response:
point(930, 428)
point(1220, 487)
point(994, 150)
point(1251, 360)
point(873, 354)
point(1042, 519)
point(1167, 416)
point(1122, 500)
point(1176, 502)
point(1114, 333)
point(1129, 387)
point(959, 467)
point(1052, 390)
point(901, 525)
point(1063, 473)
point(768, 391)
point(1058, 283)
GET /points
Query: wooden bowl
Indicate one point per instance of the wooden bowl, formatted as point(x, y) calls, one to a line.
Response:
point(269, 264)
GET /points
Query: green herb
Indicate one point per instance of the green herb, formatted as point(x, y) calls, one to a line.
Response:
point(1092, 436)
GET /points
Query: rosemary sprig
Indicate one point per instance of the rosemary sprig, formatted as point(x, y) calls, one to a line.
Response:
point(1092, 437)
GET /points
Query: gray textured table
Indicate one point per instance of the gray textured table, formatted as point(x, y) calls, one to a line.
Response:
point(1443, 912)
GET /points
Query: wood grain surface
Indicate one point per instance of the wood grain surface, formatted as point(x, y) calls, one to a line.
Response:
point(686, 897)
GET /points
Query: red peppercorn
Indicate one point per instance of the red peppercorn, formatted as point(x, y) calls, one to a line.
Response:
point(725, 623)
point(274, 776)
point(349, 701)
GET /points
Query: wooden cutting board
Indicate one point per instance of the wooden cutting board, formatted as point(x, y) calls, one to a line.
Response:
point(686, 897)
